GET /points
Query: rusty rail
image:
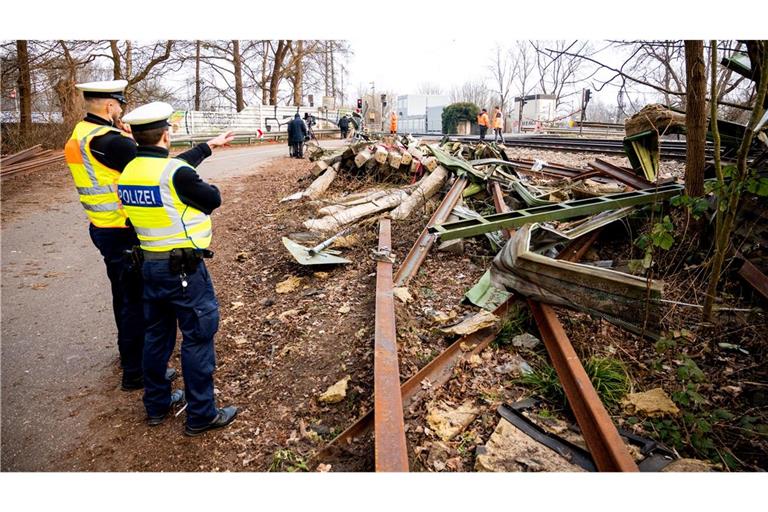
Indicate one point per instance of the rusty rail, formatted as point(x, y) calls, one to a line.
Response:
point(622, 175)
point(754, 277)
point(438, 371)
point(390, 449)
point(421, 247)
point(605, 445)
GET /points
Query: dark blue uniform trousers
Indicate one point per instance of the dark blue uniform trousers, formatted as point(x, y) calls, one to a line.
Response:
point(127, 304)
point(196, 310)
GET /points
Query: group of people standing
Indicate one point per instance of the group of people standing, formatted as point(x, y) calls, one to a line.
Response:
point(497, 122)
point(149, 217)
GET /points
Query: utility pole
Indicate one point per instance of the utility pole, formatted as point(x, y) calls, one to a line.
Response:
point(585, 94)
point(373, 101)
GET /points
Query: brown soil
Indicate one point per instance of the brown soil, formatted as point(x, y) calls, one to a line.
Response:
point(276, 353)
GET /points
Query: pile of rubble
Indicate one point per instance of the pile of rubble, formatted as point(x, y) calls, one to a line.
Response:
point(537, 220)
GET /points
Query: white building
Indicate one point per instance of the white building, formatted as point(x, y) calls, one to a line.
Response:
point(538, 108)
point(420, 113)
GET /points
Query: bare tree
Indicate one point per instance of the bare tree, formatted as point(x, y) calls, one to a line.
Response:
point(429, 88)
point(476, 92)
point(136, 63)
point(523, 66)
point(502, 74)
point(558, 67)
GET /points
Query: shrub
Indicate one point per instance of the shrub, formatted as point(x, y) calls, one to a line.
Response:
point(455, 113)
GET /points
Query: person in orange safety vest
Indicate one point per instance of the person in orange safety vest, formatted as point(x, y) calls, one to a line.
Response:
point(484, 122)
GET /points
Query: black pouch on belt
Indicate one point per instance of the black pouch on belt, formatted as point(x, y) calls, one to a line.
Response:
point(135, 257)
point(176, 261)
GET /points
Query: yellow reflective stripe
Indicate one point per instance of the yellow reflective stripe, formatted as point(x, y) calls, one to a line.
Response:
point(105, 207)
point(167, 242)
point(94, 191)
point(87, 161)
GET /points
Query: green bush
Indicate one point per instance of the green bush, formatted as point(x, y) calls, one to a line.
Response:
point(455, 113)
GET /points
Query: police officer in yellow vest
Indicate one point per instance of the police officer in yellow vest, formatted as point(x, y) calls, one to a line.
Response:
point(97, 152)
point(169, 206)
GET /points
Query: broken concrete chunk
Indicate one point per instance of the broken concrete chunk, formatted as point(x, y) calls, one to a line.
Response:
point(402, 294)
point(654, 402)
point(510, 449)
point(479, 321)
point(438, 317)
point(344, 309)
point(447, 422)
point(517, 367)
point(346, 242)
point(688, 466)
point(289, 285)
point(439, 453)
point(525, 340)
point(335, 393)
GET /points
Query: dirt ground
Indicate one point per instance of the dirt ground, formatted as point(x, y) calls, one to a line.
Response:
point(277, 352)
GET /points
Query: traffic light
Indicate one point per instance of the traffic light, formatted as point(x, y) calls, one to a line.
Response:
point(587, 94)
point(383, 101)
point(359, 102)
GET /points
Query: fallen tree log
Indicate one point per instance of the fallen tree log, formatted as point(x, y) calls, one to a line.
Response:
point(428, 187)
point(318, 187)
point(363, 157)
point(334, 222)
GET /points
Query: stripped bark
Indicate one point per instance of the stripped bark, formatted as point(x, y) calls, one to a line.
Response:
point(428, 187)
point(334, 222)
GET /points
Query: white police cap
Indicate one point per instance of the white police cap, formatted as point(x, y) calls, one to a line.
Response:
point(104, 89)
point(149, 116)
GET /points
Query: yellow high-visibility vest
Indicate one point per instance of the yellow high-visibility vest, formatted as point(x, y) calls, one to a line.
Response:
point(95, 182)
point(162, 222)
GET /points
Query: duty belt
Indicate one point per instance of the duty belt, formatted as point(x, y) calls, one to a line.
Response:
point(166, 255)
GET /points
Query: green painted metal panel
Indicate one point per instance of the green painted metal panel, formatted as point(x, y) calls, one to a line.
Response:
point(559, 211)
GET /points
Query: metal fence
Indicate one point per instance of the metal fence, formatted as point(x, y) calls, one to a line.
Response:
point(268, 119)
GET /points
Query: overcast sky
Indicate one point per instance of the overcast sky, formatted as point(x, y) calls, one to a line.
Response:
point(397, 44)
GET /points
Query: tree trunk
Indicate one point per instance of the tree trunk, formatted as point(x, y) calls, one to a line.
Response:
point(70, 99)
point(326, 75)
point(117, 73)
point(238, 64)
point(277, 70)
point(264, 61)
point(298, 75)
point(197, 75)
point(25, 90)
point(128, 60)
point(695, 118)
point(333, 74)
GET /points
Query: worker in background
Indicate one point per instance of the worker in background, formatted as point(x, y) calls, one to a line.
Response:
point(97, 152)
point(344, 126)
point(393, 122)
point(483, 122)
point(297, 134)
point(498, 125)
point(169, 206)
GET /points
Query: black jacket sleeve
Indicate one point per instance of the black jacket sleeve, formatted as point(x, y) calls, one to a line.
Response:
point(195, 192)
point(196, 155)
point(113, 150)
